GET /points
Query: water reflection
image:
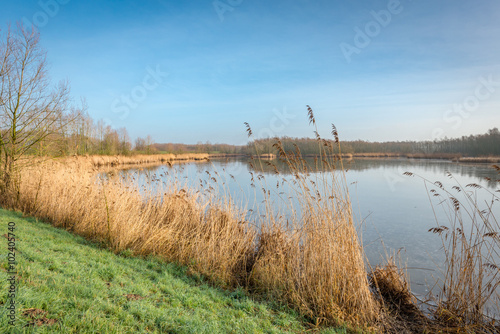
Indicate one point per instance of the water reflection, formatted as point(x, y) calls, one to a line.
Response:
point(434, 166)
point(394, 211)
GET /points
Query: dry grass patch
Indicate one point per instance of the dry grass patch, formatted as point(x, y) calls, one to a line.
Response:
point(211, 237)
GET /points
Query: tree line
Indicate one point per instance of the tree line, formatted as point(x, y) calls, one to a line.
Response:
point(487, 144)
point(84, 136)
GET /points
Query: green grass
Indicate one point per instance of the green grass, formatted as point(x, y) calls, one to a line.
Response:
point(88, 289)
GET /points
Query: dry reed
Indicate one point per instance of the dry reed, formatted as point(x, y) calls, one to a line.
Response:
point(315, 264)
point(210, 237)
point(309, 256)
point(470, 280)
point(140, 159)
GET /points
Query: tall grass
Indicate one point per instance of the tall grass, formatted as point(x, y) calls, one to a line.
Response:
point(311, 255)
point(467, 293)
point(308, 254)
point(138, 159)
point(314, 263)
point(170, 222)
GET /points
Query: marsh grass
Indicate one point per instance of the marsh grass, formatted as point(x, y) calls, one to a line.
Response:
point(467, 293)
point(306, 253)
point(170, 222)
point(138, 159)
point(313, 263)
point(310, 254)
point(67, 284)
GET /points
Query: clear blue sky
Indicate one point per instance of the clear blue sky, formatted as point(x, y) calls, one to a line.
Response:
point(431, 69)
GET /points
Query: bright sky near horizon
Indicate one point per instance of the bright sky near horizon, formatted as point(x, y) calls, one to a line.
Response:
point(190, 71)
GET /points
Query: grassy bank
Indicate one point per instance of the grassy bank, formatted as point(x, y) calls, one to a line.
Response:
point(69, 285)
point(310, 259)
point(296, 263)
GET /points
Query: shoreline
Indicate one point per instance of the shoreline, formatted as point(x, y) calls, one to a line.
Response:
point(113, 161)
point(226, 248)
point(97, 161)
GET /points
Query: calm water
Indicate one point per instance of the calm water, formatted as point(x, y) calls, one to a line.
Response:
point(394, 211)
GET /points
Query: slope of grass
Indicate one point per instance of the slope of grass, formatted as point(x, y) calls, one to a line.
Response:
point(69, 285)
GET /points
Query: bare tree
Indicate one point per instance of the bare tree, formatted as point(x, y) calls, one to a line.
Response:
point(125, 145)
point(140, 144)
point(31, 110)
point(149, 145)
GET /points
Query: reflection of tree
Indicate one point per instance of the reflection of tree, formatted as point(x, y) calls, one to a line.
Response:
point(481, 172)
point(226, 166)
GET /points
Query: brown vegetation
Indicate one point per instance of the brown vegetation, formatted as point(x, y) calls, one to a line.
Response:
point(310, 256)
point(170, 223)
point(479, 160)
point(445, 156)
point(315, 263)
point(377, 155)
point(140, 159)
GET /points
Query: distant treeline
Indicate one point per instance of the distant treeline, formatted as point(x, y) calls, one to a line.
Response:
point(83, 136)
point(201, 148)
point(487, 144)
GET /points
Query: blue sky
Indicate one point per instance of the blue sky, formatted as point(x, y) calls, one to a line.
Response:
point(190, 71)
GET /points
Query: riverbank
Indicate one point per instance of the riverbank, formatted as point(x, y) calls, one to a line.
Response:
point(122, 160)
point(67, 284)
point(98, 161)
point(210, 235)
point(437, 156)
point(313, 263)
point(479, 160)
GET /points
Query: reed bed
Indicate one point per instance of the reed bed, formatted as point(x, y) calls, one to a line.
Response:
point(317, 269)
point(171, 222)
point(466, 295)
point(377, 155)
point(445, 156)
point(313, 258)
point(315, 263)
point(139, 159)
point(308, 255)
point(479, 159)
